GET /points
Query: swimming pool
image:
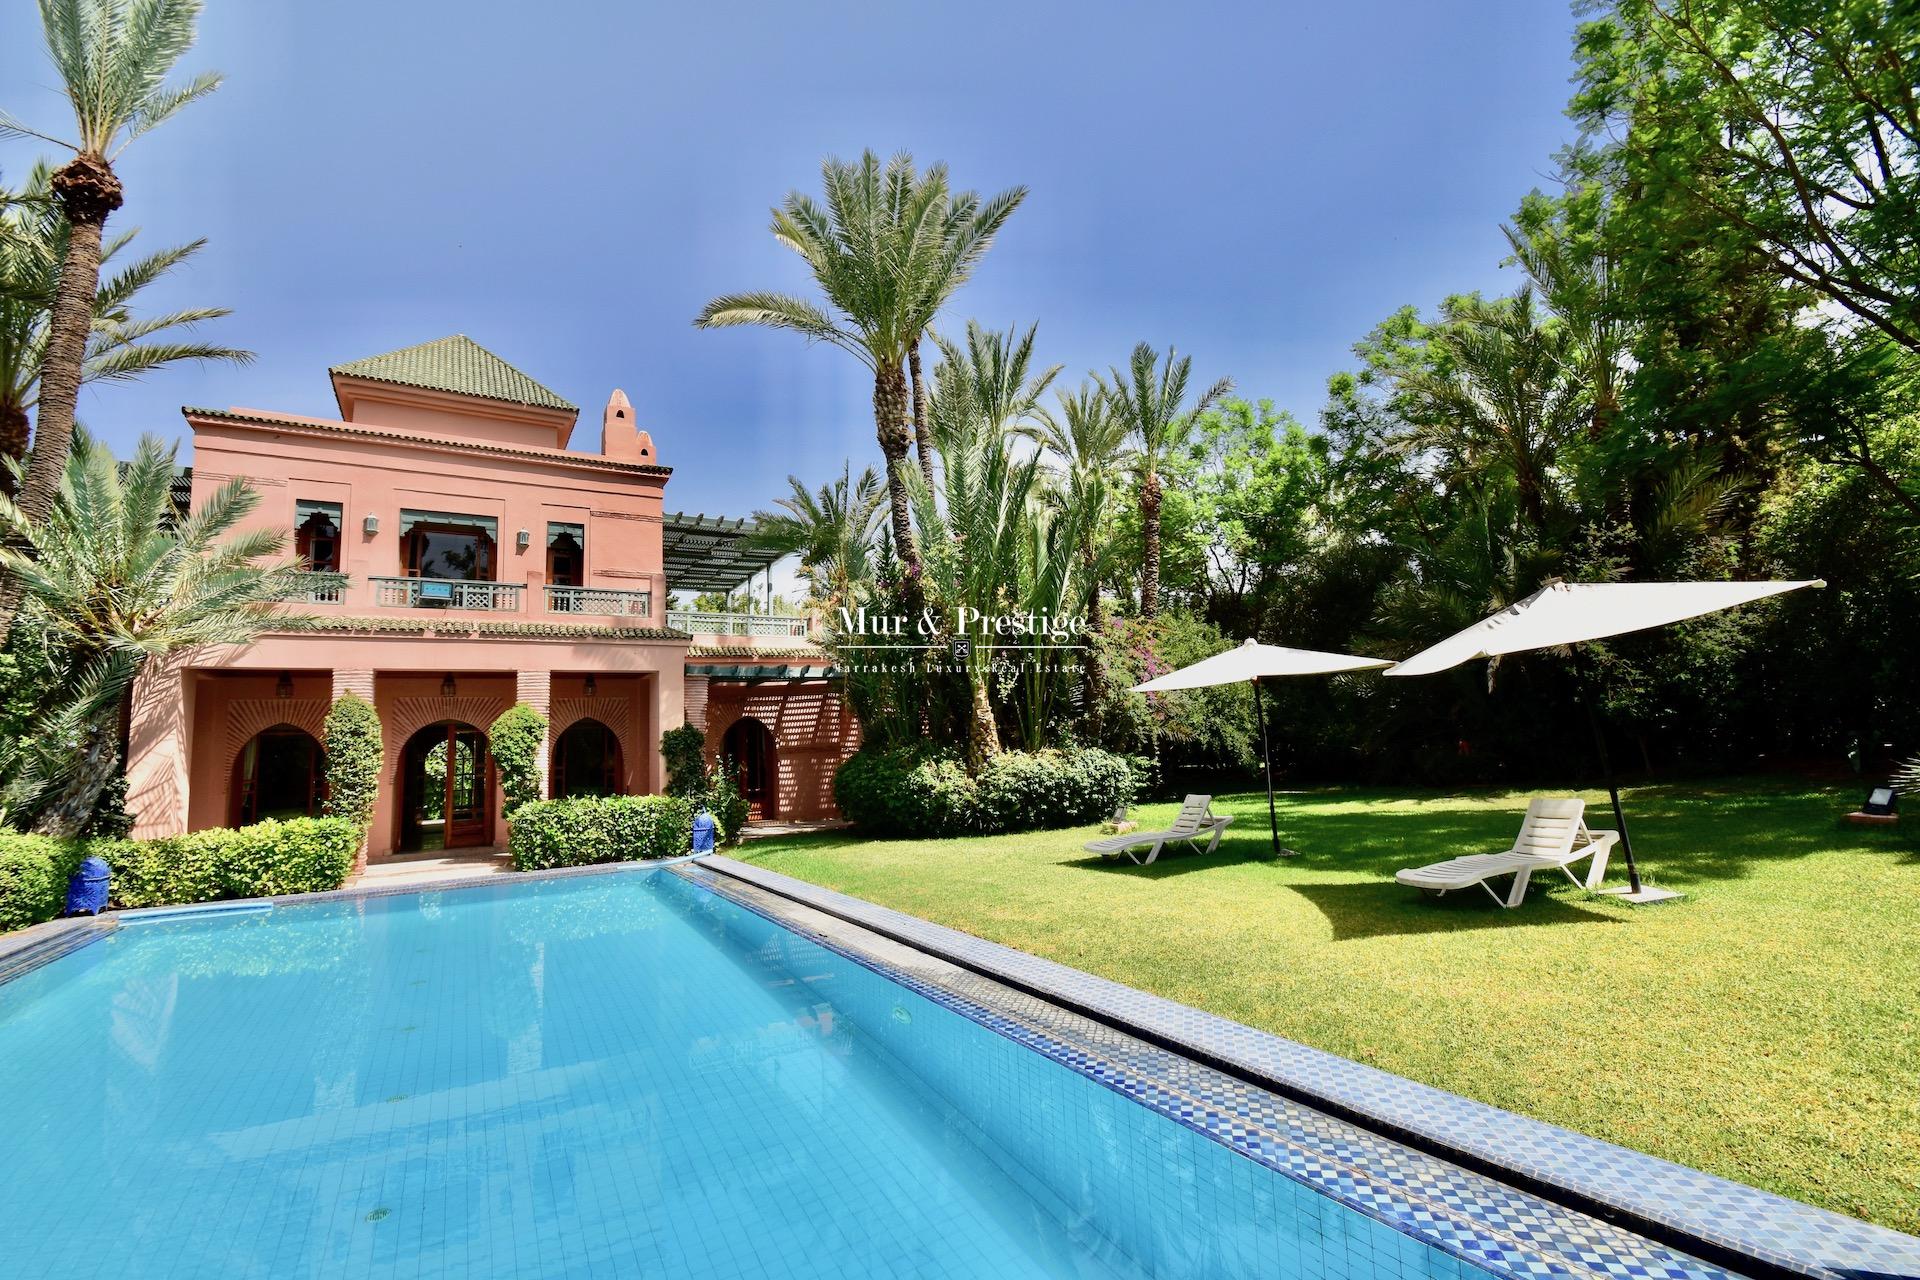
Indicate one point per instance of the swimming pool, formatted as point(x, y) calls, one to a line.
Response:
point(613, 1074)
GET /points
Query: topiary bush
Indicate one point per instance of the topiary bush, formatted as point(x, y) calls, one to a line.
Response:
point(33, 877)
point(516, 739)
point(685, 752)
point(297, 855)
point(351, 737)
point(587, 829)
point(927, 791)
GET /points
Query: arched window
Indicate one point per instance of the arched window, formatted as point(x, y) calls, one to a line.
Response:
point(586, 762)
point(280, 773)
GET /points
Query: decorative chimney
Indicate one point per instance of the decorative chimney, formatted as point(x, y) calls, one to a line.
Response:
point(620, 438)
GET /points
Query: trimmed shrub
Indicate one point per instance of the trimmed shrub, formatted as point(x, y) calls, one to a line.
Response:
point(924, 791)
point(729, 807)
point(33, 877)
point(351, 736)
point(515, 740)
point(685, 752)
point(586, 829)
point(1022, 790)
point(298, 855)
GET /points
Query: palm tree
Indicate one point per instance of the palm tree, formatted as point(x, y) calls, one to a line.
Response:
point(112, 57)
point(831, 530)
point(114, 579)
point(33, 239)
point(888, 249)
point(1148, 399)
point(987, 384)
point(976, 535)
point(1580, 289)
point(1089, 439)
point(1501, 404)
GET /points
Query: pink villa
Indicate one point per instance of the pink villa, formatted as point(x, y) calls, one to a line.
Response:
point(465, 556)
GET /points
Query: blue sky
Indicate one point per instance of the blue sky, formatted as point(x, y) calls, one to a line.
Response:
point(567, 183)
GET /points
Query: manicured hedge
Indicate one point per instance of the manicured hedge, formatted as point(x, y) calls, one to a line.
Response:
point(300, 855)
point(584, 829)
point(920, 791)
point(33, 877)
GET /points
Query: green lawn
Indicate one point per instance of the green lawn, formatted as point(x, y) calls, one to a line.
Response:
point(1766, 1027)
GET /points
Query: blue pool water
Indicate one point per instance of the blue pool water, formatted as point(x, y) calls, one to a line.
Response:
point(610, 1075)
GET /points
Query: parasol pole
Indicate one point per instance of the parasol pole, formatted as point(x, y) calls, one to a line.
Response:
point(1266, 765)
point(1589, 697)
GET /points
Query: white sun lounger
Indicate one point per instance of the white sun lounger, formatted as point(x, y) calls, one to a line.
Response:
point(1196, 821)
point(1554, 835)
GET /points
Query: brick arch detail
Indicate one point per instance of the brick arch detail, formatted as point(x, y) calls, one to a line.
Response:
point(615, 713)
point(411, 715)
point(247, 717)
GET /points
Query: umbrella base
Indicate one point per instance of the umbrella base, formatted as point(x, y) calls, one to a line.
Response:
point(1647, 893)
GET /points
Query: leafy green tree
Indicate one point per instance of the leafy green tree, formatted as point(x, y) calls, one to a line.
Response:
point(113, 58)
point(117, 581)
point(1150, 397)
point(889, 247)
point(120, 344)
point(1791, 126)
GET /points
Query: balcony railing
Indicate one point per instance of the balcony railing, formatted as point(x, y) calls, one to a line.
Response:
point(600, 600)
point(446, 593)
point(324, 588)
point(737, 624)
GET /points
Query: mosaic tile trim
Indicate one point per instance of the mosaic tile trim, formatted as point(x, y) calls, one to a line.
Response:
point(1701, 1212)
point(1466, 1215)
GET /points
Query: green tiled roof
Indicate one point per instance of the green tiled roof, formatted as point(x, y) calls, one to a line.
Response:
point(457, 364)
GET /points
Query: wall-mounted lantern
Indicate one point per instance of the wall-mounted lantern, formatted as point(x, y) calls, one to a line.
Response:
point(283, 687)
point(446, 687)
point(523, 539)
point(371, 524)
point(590, 687)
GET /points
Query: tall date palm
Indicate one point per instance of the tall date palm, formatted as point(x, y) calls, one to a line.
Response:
point(887, 249)
point(112, 58)
point(120, 344)
point(1149, 398)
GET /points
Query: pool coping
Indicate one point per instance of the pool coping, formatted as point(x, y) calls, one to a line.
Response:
point(1727, 1223)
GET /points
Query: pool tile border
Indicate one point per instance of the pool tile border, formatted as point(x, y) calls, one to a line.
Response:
point(1727, 1222)
point(1465, 1215)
